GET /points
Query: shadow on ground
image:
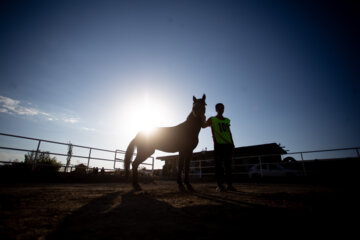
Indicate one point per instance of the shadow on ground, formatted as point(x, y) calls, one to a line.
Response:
point(138, 215)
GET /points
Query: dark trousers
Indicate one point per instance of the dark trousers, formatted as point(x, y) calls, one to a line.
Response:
point(223, 158)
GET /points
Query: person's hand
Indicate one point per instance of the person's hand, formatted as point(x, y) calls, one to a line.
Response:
point(204, 118)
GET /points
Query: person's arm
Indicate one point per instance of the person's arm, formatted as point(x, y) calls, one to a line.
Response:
point(232, 140)
point(207, 123)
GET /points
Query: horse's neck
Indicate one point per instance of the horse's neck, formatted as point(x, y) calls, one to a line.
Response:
point(193, 121)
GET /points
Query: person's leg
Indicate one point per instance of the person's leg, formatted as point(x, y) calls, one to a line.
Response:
point(228, 166)
point(219, 170)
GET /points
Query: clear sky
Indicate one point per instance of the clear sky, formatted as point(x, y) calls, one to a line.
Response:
point(96, 72)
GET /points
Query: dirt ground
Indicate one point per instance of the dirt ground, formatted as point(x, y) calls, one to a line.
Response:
point(160, 211)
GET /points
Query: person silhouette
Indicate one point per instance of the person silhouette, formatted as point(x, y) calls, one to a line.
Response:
point(223, 147)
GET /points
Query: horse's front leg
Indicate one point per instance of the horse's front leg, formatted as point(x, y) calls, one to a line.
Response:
point(187, 172)
point(139, 159)
point(179, 173)
point(135, 183)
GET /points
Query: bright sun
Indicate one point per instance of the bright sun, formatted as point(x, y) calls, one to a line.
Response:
point(144, 114)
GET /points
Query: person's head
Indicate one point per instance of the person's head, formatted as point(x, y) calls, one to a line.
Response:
point(219, 108)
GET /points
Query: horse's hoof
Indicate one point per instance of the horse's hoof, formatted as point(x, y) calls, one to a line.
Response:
point(182, 188)
point(137, 187)
point(190, 188)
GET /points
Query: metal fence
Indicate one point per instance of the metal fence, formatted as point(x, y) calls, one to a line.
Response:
point(90, 157)
point(307, 163)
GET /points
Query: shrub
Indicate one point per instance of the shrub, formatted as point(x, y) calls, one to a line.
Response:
point(44, 162)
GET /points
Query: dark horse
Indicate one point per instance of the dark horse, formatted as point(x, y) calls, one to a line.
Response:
point(182, 138)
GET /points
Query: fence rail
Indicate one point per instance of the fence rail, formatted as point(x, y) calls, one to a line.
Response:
point(199, 168)
point(118, 154)
point(305, 167)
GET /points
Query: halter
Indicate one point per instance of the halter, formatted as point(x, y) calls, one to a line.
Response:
point(199, 107)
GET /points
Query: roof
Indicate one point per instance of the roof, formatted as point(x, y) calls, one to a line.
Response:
point(255, 150)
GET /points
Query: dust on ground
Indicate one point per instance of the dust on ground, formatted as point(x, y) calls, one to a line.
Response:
point(160, 211)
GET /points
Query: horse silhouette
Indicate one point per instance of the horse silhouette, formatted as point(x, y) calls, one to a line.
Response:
point(182, 138)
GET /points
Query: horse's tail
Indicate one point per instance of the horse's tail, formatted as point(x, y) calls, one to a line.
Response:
point(128, 155)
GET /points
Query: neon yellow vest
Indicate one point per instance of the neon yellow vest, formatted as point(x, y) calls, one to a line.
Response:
point(221, 130)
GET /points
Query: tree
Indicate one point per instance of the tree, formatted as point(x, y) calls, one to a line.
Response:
point(43, 161)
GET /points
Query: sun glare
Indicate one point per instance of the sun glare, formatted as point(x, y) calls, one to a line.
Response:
point(144, 114)
point(145, 117)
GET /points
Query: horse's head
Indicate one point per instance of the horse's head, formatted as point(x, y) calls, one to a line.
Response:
point(199, 107)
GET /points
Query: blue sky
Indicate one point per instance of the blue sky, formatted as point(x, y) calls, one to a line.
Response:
point(92, 72)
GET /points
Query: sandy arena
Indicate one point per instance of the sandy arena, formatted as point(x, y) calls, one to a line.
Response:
point(160, 211)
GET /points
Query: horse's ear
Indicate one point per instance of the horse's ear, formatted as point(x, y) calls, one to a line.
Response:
point(204, 97)
point(194, 98)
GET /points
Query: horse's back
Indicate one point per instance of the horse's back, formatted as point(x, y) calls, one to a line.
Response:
point(167, 139)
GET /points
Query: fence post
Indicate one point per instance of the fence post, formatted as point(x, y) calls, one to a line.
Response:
point(115, 159)
point(152, 166)
point(68, 159)
point(261, 171)
point(88, 164)
point(303, 164)
point(36, 155)
point(200, 165)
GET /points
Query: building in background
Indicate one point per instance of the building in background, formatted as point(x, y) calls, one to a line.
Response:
point(243, 157)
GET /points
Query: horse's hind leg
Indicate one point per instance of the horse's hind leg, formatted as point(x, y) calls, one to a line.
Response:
point(187, 171)
point(180, 169)
point(139, 159)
